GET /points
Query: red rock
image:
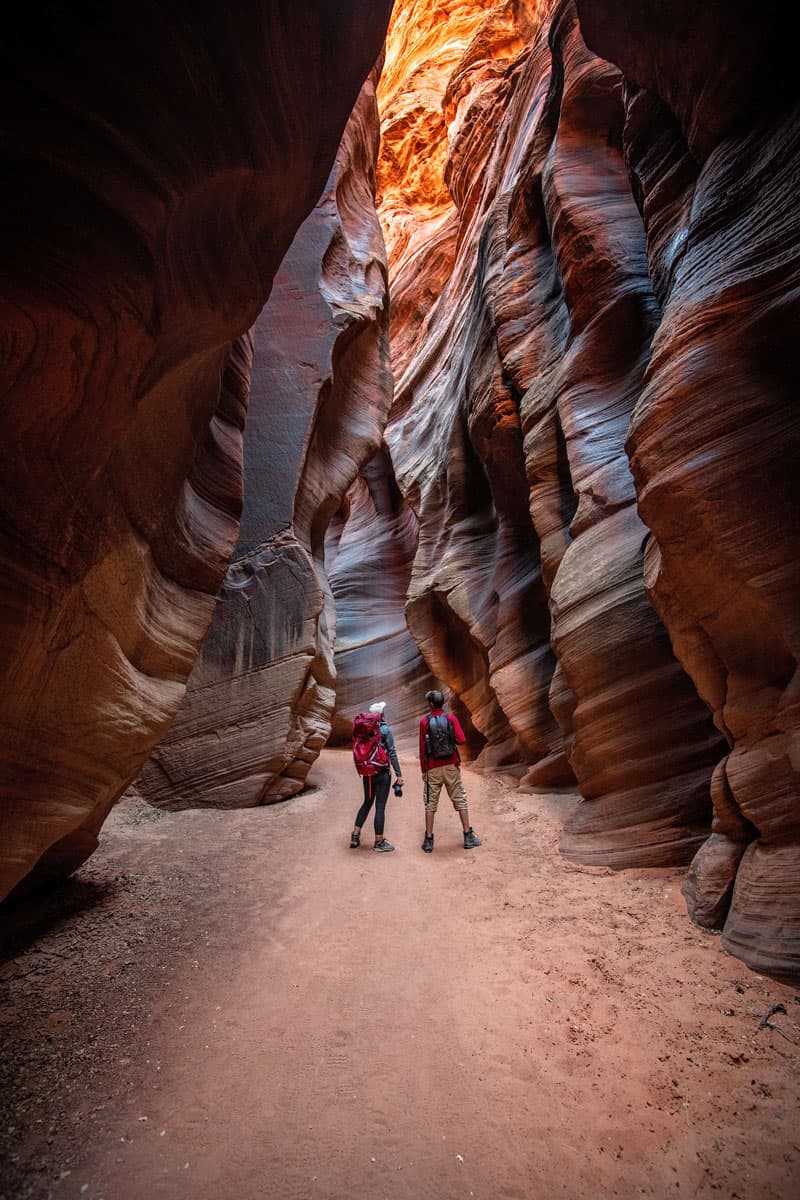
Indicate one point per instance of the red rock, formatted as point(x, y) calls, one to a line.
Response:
point(714, 440)
point(259, 701)
point(161, 163)
point(369, 553)
point(541, 329)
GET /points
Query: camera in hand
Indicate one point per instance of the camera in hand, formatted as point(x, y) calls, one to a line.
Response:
point(397, 789)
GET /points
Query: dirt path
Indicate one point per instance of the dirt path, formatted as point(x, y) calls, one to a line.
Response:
point(239, 1007)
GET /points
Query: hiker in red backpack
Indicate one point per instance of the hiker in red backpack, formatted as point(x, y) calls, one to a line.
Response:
point(374, 754)
point(440, 735)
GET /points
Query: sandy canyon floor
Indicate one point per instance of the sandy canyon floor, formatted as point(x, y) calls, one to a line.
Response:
point(237, 1006)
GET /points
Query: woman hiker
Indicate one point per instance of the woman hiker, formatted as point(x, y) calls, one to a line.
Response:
point(376, 788)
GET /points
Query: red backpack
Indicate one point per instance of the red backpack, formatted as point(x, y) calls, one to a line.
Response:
point(369, 751)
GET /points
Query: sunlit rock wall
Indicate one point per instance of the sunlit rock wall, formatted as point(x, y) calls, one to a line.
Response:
point(372, 545)
point(161, 164)
point(512, 405)
point(604, 345)
point(259, 700)
point(476, 602)
point(713, 146)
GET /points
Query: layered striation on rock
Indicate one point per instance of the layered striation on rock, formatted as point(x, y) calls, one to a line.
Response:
point(714, 152)
point(477, 606)
point(369, 553)
point(508, 432)
point(639, 739)
point(259, 700)
point(605, 351)
point(162, 162)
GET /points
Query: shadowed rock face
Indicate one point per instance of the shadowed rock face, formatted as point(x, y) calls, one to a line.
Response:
point(368, 556)
point(639, 740)
point(476, 603)
point(715, 441)
point(511, 411)
point(259, 700)
point(600, 339)
point(162, 160)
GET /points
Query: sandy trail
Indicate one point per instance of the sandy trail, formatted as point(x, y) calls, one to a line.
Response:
point(239, 1006)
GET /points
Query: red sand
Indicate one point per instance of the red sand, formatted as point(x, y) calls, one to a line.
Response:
point(236, 1006)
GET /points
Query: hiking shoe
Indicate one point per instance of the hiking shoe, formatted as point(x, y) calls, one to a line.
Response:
point(383, 847)
point(355, 840)
point(470, 840)
point(427, 843)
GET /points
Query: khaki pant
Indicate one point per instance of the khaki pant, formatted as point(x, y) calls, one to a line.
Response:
point(450, 776)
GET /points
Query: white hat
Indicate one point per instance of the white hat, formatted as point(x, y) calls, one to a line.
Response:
point(379, 707)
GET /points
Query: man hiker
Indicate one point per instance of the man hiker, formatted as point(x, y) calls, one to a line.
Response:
point(374, 766)
point(440, 734)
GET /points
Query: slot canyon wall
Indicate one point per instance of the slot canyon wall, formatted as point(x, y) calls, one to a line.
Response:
point(162, 162)
point(260, 698)
point(593, 422)
point(582, 514)
point(369, 553)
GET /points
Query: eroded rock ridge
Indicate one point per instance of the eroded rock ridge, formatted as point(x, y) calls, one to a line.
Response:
point(260, 698)
point(594, 429)
point(162, 161)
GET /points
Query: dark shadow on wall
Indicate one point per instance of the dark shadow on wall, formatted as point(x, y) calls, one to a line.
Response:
point(457, 659)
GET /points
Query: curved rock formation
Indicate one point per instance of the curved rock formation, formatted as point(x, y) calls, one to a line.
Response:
point(259, 700)
point(477, 607)
point(621, 286)
point(715, 440)
point(368, 556)
point(162, 160)
point(543, 330)
point(640, 742)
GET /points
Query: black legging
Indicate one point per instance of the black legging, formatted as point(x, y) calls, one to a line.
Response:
point(376, 787)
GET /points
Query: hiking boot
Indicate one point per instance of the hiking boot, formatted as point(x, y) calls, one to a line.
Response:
point(427, 843)
point(470, 840)
point(383, 847)
point(355, 840)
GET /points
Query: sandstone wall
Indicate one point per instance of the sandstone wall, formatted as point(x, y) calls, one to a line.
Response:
point(369, 554)
point(592, 425)
point(162, 161)
point(259, 700)
point(714, 153)
point(507, 435)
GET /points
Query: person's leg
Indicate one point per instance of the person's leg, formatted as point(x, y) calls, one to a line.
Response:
point(433, 787)
point(363, 812)
point(457, 793)
point(381, 784)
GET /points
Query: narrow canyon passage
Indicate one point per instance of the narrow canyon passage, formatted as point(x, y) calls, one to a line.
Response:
point(241, 1006)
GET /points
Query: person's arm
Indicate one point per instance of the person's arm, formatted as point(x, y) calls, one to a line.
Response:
point(388, 741)
point(423, 758)
point(457, 730)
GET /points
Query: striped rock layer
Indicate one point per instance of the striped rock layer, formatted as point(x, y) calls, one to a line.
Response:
point(139, 244)
point(593, 426)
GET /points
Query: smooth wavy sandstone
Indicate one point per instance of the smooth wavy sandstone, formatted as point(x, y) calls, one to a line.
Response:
point(476, 605)
point(640, 742)
point(140, 241)
point(368, 557)
point(259, 701)
point(714, 440)
point(542, 331)
point(624, 242)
